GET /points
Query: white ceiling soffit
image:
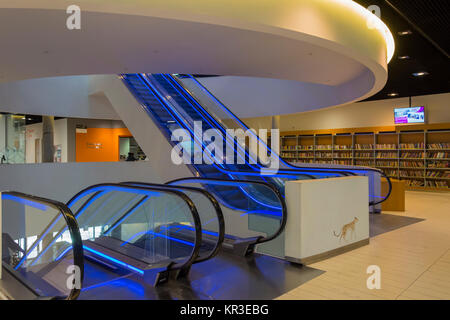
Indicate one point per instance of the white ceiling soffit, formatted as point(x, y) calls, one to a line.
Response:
point(327, 44)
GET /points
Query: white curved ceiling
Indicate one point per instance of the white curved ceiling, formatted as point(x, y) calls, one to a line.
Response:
point(324, 45)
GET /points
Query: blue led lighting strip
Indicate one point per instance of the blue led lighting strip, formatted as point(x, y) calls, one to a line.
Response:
point(114, 260)
point(25, 202)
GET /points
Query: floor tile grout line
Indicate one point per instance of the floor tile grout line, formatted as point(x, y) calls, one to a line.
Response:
point(440, 257)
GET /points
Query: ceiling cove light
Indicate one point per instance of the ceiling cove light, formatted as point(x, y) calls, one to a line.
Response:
point(420, 74)
point(393, 94)
point(404, 57)
point(405, 33)
point(375, 23)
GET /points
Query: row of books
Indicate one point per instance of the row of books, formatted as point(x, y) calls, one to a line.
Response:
point(439, 164)
point(386, 146)
point(363, 146)
point(392, 155)
point(413, 155)
point(438, 174)
point(306, 155)
point(411, 173)
point(413, 164)
point(324, 155)
point(308, 147)
point(364, 163)
point(439, 155)
point(342, 147)
point(386, 163)
point(289, 148)
point(390, 173)
point(343, 162)
point(420, 145)
point(437, 184)
point(343, 155)
point(414, 183)
point(324, 147)
point(288, 155)
point(441, 145)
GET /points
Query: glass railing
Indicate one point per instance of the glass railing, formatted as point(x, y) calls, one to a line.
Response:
point(41, 245)
point(132, 227)
point(211, 217)
point(254, 212)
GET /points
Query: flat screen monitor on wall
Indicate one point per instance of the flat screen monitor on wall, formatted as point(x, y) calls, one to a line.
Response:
point(409, 115)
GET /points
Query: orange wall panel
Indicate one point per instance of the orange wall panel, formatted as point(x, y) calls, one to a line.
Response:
point(99, 144)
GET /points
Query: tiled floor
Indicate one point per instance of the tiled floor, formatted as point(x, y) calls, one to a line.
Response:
point(414, 260)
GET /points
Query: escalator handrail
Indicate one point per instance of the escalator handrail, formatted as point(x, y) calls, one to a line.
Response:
point(184, 198)
point(240, 182)
point(211, 198)
point(381, 172)
point(72, 225)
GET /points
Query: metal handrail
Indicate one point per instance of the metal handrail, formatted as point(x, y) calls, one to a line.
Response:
point(72, 225)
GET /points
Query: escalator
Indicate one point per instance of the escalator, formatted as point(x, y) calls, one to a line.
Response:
point(29, 245)
point(180, 102)
point(109, 232)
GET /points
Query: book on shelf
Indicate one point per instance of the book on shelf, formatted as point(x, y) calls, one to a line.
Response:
point(414, 183)
point(406, 146)
point(413, 155)
point(363, 163)
point(438, 174)
point(324, 147)
point(386, 146)
point(437, 184)
point(438, 164)
point(309, 147)
point(390, 172)
point(342, 147)
point(363, 146)
point(306, 155)
point(363, 154)
point(324, 155)
point(392, 155)
point(386, 163)
point(346, 155)
point(411, 174)
point(414, 164)
point(439, 155)
point(437, 146)
point(343, 162)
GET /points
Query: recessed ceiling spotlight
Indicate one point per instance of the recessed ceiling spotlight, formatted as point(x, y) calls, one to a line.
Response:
point(404, 57)
point(404, 33)
point(420, 74)
point(393, 94)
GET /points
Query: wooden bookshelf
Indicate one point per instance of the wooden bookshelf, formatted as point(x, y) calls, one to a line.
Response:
point(418, 155)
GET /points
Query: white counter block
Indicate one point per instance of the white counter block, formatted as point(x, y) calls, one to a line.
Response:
point(321, 217)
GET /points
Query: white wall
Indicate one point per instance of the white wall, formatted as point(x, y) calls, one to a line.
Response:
point(2, 133)
point(362, 114)
point(61, 181)
point(59, 96)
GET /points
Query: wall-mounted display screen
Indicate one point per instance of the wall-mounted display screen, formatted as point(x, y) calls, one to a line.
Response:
point(409, 115)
